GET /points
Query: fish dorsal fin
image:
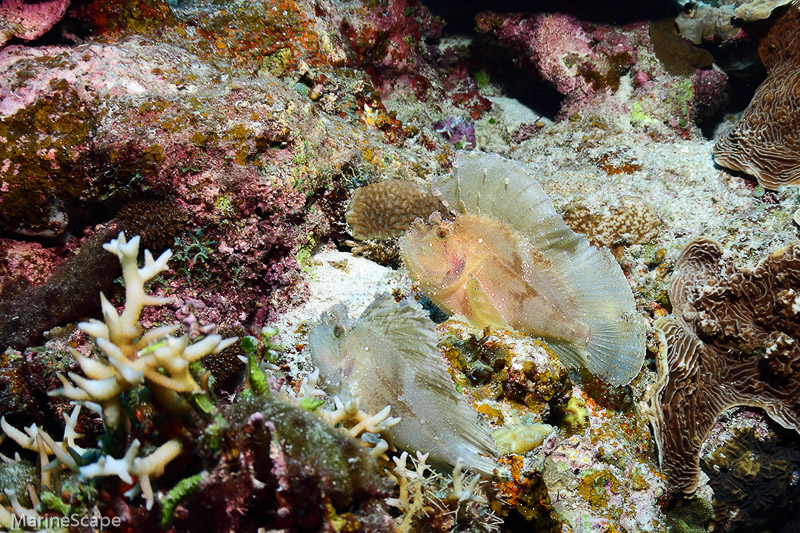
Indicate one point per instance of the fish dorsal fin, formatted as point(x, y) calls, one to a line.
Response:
point(400, 323)
point(494, 186)
point(410, 337)
point(490, 185)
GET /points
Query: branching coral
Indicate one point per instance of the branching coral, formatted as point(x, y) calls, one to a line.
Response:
point(70, 293)
point(36, 439)
point(733, 341)
point(143, 468)
point(359, 422)
point(127, 359)
point(419, 492)
point(130, 358)
point(765, 142)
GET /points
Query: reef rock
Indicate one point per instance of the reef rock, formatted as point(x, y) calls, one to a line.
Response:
point(29, 20)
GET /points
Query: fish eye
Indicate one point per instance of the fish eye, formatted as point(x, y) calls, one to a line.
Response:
point(441, 233)
point(338, 330)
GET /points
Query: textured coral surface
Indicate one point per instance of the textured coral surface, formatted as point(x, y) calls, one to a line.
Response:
point(734, 343)
point(765, 142)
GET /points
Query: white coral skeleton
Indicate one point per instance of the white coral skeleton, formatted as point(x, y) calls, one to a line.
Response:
point(129, 466)
point(357, 423)
point(417, 494)
point(36, 439)
point(130, 358)
point(157, 358)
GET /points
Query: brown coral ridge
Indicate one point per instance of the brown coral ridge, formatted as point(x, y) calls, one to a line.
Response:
point(387, 209)
point(732, 342)
point(765, 142)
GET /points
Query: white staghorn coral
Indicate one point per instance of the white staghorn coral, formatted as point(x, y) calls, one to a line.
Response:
point(364, 422)
point(129, 358)
point(37, 440)
point(357, 422)
point(130, 466)
point(420, 492)
point(411, 498)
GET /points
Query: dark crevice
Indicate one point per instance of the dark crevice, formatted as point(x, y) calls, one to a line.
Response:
point(515, 82)
point(745, 72)
point(460, 16)
point(68, 31)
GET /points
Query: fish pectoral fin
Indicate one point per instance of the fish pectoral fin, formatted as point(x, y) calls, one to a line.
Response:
point(482, 310)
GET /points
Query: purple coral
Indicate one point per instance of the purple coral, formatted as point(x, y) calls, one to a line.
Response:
point(457, 131)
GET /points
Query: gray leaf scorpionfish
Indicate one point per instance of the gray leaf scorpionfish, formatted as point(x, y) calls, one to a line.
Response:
point(389, 357)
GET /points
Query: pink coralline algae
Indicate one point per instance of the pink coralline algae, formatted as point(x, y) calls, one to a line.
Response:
point(709, 87)
point(97, 125)
point(561, 46)
point(390, 37)
point(390, 42)
point(606, 71)
point(579, 59)
point(28, 19)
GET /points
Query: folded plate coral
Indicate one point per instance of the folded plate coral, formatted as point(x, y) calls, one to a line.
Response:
point(508, 259)
point(765, 143)
point(732, 341)
point(389, 357)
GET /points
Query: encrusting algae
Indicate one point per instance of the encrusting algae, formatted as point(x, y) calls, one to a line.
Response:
point(508, 260)
point(389, 357)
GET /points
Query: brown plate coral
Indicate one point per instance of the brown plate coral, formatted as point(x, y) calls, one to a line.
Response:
point(732, 342)
point(765, 143)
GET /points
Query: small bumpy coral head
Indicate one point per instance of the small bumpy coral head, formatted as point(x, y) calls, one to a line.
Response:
point(434, 255)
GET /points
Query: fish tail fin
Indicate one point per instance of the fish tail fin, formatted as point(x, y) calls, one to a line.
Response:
point(615, 347)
